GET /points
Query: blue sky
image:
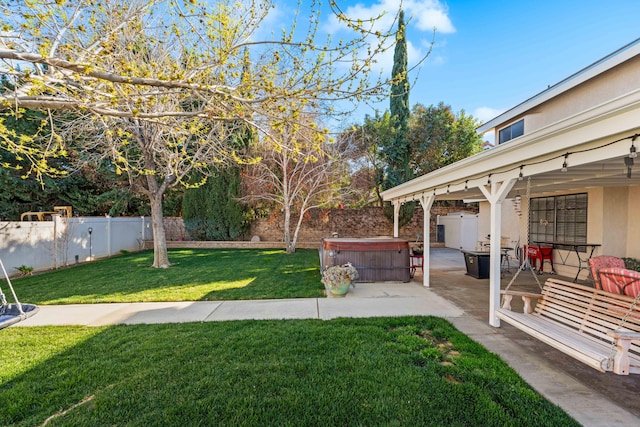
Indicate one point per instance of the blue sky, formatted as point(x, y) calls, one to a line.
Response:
point(489, 56)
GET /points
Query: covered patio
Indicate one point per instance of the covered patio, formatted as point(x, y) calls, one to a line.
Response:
point(578, 137)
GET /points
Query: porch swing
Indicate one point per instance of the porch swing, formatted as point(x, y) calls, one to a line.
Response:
point(597, 328)
point(12, 313)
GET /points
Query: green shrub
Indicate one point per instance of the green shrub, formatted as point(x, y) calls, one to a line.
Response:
point(632, 263)
point(212, 211)
point(25, 270)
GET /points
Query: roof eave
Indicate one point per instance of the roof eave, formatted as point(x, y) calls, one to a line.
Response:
point(608, 62)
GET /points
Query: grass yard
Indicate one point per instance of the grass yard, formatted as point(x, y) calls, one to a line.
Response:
point(196, 275)
point(385, 371)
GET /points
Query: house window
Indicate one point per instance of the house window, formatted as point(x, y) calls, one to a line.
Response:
point(510, 132)
point(560, 219)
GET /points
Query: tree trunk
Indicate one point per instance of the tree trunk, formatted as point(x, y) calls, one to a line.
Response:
point(296, 233)
point(290, 248)
point(160, 255)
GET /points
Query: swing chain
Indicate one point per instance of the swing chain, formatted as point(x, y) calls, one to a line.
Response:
point(614, 349)
point(525, 259)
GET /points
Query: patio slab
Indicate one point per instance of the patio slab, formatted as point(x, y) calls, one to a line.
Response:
point(430, 304)
point(296, 308)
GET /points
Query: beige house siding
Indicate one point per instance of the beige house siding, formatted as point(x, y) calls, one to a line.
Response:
point(614, 221)
point(633, 231)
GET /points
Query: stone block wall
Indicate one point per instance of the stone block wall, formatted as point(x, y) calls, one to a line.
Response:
point(319, 223)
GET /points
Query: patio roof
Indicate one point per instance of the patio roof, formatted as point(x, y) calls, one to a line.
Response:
point(593, 144)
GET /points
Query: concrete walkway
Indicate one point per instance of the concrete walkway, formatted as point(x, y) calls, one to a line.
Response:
point(365, 300)
point(586, 405)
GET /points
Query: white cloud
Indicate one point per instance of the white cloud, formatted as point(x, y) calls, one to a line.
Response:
point(423, 16)
point(428, 15)
point(484, 114)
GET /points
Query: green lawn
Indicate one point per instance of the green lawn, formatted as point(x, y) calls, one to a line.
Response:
point(382, 371)
point(196, 275)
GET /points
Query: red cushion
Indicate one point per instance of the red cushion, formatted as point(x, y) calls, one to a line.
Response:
point(620, 281)
point(603, 261)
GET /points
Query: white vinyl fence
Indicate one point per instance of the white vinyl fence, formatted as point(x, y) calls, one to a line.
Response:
point(66, 241)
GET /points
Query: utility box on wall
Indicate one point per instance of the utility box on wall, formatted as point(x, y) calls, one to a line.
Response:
point(460, 230)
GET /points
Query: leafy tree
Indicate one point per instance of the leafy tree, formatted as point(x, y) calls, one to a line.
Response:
point(89, 190)
point(213, 211)
point(366, 161)
point(299, 171)
point(154, 84)
point(439, 137)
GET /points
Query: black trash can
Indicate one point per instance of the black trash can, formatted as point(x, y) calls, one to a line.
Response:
point(440, 233)
point(477, 264)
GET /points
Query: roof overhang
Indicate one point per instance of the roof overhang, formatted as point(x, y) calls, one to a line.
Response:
point(612, 60)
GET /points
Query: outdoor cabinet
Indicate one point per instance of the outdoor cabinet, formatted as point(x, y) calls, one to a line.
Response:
point(378, 259)
point(477, 264)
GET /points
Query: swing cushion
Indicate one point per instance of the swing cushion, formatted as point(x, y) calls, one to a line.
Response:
point(10, 313)
point(620, 281)
point(603, 261)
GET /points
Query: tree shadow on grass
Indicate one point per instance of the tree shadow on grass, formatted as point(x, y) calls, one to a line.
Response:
point(196, 275)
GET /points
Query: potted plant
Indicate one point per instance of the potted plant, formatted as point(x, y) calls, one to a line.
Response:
point(338, 278)
point(417, 248)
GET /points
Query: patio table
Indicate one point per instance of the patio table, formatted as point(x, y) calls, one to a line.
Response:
point(583, 261)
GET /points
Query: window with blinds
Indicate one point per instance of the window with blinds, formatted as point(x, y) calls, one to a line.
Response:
point(558, 219)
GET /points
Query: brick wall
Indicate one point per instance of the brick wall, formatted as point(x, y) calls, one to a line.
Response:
point(318, 223)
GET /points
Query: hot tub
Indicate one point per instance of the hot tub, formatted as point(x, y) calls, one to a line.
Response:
point(377, 259)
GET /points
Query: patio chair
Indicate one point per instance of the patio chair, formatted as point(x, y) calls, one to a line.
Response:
point(603, 261)
point(539, 254)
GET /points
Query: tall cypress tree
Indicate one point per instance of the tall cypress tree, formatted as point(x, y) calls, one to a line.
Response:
point(399, 109)
point(398, 153)
point(213, 211)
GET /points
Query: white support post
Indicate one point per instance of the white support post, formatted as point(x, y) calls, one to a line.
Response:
point(426, 202)
point(396, 218)
point(495, 194)
point(56, 218)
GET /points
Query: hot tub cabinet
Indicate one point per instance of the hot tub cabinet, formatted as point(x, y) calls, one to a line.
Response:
point(376, 259)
